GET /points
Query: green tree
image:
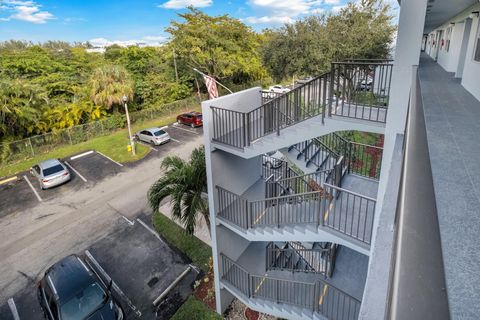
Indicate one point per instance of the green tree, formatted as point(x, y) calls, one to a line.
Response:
point(109, 84)
point(220, 46)
point(20, 104)
point(360, 30)
point(185, 183)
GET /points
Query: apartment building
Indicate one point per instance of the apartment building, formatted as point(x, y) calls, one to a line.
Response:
point(309, 224)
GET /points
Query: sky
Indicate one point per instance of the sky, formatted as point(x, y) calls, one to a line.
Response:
point(108, 21)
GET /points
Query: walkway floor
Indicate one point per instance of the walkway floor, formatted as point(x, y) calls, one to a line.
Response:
point(452, 117)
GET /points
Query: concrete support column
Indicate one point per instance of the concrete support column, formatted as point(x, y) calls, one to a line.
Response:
point(407, 54)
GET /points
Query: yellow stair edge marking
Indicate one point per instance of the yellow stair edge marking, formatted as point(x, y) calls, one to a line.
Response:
point(324, 291)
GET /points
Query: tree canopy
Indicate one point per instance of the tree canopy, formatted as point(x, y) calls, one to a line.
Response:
point(306, 47)
point(55, 85)
point(220, 46)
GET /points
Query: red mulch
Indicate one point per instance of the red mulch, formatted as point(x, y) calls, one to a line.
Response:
point(202, 291)
point(251, 314)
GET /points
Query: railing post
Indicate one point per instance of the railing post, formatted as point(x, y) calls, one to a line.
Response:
point(278, 120)
point(247, 211)
point(330, 94)
point(277, 205)
point(247, 128)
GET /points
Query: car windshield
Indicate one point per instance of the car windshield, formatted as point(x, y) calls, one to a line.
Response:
point(159, 133)
point(52, 170)
point(84, 303)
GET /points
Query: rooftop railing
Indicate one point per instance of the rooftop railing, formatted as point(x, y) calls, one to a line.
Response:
point(352, 89)
point(319, 296)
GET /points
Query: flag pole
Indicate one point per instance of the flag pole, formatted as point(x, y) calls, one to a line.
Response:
point(203, 74)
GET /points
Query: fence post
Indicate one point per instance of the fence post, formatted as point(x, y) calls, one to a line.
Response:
point(69, 136)
point(278, 120)
point(31, 147)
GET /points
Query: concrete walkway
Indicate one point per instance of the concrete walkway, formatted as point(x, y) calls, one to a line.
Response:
point(453, 129)
point(201, 230)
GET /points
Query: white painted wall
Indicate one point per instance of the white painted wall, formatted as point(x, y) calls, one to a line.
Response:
point(471, 71)
point(450, 60)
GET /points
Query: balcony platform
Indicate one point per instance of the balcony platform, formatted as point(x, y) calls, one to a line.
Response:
point(453, 129)
point(349, 274)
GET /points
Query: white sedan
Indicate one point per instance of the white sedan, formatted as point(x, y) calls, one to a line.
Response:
point(155, 136)
point(278, 89)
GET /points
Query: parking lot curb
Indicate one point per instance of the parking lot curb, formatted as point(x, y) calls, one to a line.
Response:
point(171, 286)
point(14, 178)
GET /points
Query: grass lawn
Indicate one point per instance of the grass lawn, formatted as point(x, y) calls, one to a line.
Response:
point(194, 309)
point(113, 145)
point(198, 251)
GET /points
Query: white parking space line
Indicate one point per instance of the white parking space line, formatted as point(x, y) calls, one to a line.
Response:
point(98, 268)
point(33, 189)
point(130, 222)
point(151, 230)
point(81, 155)
point(76, 172)
point(147, 145)
point(117, 163)
point(175, 140)
point(177, 127)
point(13, 309)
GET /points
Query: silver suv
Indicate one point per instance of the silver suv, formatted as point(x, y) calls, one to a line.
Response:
point(50, 173)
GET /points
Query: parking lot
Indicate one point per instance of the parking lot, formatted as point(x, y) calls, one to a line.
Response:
point(140, 263)
point(87, 168)
point(141, 266)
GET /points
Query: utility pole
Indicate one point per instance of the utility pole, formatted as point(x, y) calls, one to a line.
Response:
point(175, 65)
point(132, 144)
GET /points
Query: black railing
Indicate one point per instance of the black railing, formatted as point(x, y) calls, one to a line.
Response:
point(349, 213)
point(269, 95)
point(361, 90)
point(239, 129)
point(358, 89)
point(319, 296)
point(296, 258)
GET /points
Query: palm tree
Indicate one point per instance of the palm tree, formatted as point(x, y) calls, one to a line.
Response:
point(185, 183)
point(109, 84)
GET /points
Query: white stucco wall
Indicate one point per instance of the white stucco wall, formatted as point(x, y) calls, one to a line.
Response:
point(451, 59)
point(471, 71)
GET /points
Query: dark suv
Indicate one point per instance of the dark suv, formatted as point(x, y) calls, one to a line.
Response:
point(71, 290)
point(193, 119)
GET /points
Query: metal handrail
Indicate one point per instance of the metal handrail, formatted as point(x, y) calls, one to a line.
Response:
point(318, 294)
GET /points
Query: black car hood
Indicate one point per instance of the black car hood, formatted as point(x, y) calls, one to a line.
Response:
point(106, 312)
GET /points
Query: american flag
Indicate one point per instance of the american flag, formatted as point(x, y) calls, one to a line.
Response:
point(211, 86)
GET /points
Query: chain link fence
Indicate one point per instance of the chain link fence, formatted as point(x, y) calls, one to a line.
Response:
point(20, 150)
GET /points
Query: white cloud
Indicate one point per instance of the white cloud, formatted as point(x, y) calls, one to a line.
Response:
point(28, 11)
point(153, 41)
point(179, 4)
point(332, 2)
point(283, 11)
point(336, 9)
point(268, 20)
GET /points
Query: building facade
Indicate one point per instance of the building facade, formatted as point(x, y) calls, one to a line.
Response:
point(308, 223)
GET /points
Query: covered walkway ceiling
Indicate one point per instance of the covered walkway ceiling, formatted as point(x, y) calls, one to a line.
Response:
point(439, 11)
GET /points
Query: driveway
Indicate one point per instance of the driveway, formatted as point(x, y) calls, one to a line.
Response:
point(74, 217)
